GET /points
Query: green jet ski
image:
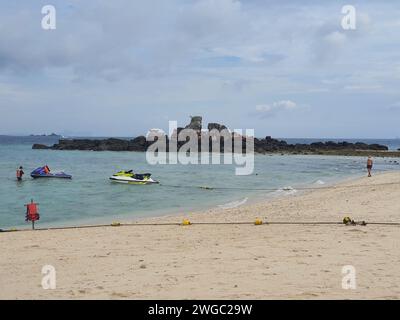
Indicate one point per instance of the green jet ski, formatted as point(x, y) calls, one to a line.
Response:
point(129, 177)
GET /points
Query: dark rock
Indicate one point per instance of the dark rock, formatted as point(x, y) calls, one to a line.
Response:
point(216, 126)
point(39, 146)
point(377, 147)
point(195, 123)
point(138, 144)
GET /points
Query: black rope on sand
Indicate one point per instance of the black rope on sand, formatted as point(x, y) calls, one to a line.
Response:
point(282, 189)
point(315, 223)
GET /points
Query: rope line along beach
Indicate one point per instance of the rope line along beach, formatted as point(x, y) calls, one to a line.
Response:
point(187, 223)
point(281, 189)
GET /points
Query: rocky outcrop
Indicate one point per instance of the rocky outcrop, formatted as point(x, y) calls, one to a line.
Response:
point(195, 123)
point(216, 126)
point(269, 144)
point(265, 145)
point(40, 146)
point(111, 144)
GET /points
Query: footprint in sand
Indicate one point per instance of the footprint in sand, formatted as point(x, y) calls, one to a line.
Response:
point(119, 295)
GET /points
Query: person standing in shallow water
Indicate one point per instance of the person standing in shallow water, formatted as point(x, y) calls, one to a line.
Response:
point(20, 173)
point(370, 162)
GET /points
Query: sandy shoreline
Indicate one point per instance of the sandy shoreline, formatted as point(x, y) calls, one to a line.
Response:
point(223, 261)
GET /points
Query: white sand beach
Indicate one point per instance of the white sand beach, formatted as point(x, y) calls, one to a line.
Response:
point(223, 261)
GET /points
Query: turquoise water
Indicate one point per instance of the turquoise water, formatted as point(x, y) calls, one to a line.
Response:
point(90, 197)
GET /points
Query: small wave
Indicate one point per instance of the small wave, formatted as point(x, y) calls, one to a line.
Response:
point(233, 204)
point(287, 190)
point(320, 182)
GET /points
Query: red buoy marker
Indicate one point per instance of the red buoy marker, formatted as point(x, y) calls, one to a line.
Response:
point(32, 213)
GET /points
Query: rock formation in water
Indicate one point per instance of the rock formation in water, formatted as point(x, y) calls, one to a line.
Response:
point(195, 123)
point(264, 145)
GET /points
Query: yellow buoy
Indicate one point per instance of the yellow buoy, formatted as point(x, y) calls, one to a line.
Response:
point(115, 224)
point(186, 222)
point(347, 220)
point(258, 222)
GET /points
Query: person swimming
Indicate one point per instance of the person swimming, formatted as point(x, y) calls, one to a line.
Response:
point(370, 163)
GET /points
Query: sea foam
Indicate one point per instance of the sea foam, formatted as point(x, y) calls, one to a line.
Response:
point(233, 204)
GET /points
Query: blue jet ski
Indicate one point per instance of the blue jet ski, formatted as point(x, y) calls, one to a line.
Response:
point(41, 173)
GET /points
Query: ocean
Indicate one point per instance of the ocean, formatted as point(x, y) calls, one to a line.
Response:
point(91, 198)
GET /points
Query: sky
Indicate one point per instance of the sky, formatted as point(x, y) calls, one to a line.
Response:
point(121, 67)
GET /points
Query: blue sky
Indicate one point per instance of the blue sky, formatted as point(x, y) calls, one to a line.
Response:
point(283, 68)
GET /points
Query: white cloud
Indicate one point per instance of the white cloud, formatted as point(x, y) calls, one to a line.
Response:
point(285, 104)
point(266, 110)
